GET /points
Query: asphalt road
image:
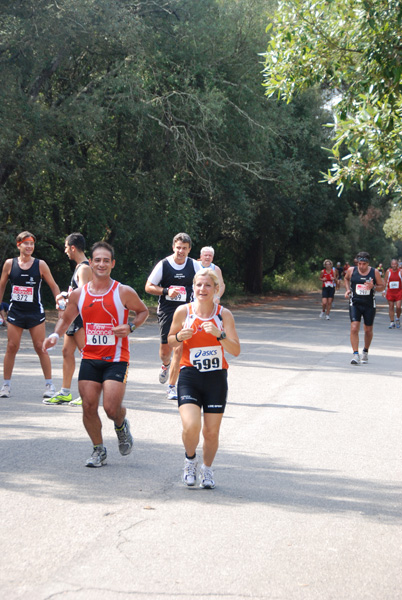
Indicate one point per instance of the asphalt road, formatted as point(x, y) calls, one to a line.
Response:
point(308, 503)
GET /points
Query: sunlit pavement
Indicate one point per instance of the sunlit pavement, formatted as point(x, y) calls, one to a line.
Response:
point(308, 491)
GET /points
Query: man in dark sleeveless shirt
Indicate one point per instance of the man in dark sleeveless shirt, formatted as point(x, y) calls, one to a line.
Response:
point(361, 282)
point(172, 280)
point(75, 335)
point(26, 310)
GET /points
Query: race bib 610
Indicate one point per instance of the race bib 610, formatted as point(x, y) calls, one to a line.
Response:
point(100, 334)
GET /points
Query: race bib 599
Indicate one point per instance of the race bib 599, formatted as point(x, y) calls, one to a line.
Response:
point(207, 359)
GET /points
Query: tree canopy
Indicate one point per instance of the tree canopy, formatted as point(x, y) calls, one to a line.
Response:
point(352, 49)
point(130, 121)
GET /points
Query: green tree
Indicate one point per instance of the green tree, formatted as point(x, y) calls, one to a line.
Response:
point(393, 225)
point(130, 121)
point(353, 50)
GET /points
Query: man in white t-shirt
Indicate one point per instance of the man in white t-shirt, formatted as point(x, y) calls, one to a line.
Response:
point(172, 280)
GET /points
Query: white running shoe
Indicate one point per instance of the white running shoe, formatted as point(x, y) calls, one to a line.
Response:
point(172, 392)
point(207, 478)
point(97, 458)
point(125, 438)
point(190, 472)
point(164, 373)
point(328, 318)
point(355, 359)
point(5, 391)
point(364, 359)
point(391, 325)
point(50, 391)
point(398, 324)
point(322, 313)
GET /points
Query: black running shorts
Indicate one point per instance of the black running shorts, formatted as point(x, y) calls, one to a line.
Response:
point(25, 320)
point(328, 292)
point(206, 390)
point(165, 321)
point(357, 311)
point(75, 326)
point(101, 370)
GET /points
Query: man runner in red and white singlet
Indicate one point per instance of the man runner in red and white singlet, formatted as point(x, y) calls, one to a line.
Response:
point(329, 278)
point(104, 305)
point(393, 293)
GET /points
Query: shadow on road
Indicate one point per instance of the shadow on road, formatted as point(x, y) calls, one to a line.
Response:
point(38, 466)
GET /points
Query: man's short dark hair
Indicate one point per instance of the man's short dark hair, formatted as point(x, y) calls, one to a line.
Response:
point(104, 245)
point(365, 255)
point(76, 239)
point(182, 237)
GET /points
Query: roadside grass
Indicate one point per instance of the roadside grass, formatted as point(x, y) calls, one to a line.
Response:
point(293, 282)
point(297, 281)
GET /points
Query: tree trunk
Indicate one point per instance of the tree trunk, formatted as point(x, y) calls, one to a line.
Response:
point(253, 274)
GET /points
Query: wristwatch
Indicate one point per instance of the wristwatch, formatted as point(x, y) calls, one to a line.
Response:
point(132, 327)
point(222, 336)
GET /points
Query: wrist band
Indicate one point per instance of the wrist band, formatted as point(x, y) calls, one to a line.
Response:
point(180, 341)
point(165, 291)
point(54, 335)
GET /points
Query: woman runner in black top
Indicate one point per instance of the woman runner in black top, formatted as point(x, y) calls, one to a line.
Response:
point(26, 310)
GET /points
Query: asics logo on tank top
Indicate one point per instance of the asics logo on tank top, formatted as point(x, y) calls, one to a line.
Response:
point(93, 302)
point(206, 353)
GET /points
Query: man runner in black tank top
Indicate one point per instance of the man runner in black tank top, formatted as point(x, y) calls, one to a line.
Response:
point(361, 282)
point(26, 310)
point(172, 280)
point(74, 337)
